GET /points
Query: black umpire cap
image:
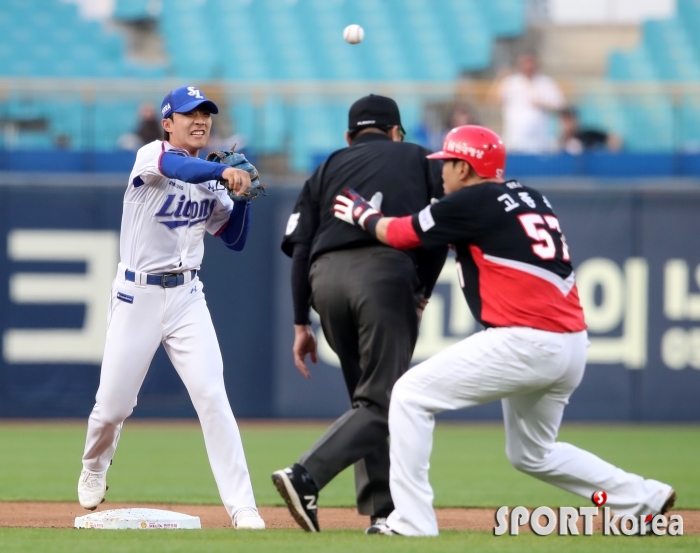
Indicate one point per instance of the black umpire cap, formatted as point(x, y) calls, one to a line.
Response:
point(374, 111)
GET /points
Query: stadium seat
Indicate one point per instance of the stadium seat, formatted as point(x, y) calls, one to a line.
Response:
point(506, 18)
point(671, 51)
point(689, 123)
point(136, 10)
point(268, 40)
point(631, 66)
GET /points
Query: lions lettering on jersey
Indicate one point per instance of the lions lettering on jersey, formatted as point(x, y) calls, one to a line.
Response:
point(185, 212)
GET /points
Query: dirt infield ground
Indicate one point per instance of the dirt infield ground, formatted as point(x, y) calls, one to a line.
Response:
point(62, 515)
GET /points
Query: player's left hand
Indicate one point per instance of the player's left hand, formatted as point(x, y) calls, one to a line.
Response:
point(241, 178)
point(354, 209)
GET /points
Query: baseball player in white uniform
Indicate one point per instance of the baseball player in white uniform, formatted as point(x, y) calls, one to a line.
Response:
point(515, 271)
point(171, 199)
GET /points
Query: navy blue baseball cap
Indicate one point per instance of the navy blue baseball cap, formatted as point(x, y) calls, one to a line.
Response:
point(185, 99)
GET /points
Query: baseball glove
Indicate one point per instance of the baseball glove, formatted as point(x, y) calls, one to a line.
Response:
point(239, 161)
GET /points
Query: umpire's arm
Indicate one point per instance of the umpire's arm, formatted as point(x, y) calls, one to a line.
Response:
point(299, 234)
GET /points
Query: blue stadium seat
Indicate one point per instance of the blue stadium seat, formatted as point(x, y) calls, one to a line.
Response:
point(688, 13)
point(650, 123)
point(185, 29)
point(670, 50)
point(506, 18)
point(337, 60)
point(602, 110)
point(53, 40)
point(249, 62)
point(631, 66)
point(269, 40)
point(136, 10)
point(467, 32)
point(112, 120)
point(689, 123)
point(428, 47)
point(242, 118)
point(315, 128)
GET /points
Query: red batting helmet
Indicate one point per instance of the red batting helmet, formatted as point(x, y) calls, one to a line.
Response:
point(480, 147)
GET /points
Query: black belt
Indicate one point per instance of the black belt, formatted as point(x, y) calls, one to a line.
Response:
point(168, 280)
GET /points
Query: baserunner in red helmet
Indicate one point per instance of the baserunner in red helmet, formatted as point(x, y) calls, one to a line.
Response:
point(515, 270)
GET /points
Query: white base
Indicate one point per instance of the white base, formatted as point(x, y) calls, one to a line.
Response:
point(138, 519)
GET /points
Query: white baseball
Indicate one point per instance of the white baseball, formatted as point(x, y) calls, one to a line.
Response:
point(353, 34)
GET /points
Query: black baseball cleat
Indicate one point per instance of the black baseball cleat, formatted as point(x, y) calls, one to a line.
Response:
point(299, 491)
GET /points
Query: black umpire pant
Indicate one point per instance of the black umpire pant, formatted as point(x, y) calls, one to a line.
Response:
point(367, 300)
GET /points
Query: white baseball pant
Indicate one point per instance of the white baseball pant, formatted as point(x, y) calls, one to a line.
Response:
point(179, 318)
point(533, 372)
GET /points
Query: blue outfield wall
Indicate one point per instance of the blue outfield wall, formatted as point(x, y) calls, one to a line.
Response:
point(637, 258)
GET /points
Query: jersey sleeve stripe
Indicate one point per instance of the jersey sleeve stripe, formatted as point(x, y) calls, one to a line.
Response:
point(160, 157)
point(401, 235)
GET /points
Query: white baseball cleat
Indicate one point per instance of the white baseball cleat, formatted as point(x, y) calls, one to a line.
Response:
point(381, 528)
point(248, 519)
point(91, 489)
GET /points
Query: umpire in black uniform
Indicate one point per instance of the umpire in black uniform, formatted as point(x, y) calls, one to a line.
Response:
point(368, 296)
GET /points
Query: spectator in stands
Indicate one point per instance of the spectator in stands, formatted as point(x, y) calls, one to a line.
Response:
point(575, 140)
point(149, 129)
point(62, 141)
point(438, 120)
point(459, 116)
point(529, 99)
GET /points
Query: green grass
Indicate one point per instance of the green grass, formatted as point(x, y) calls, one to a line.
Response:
point(168, 463)
point(291, 541)
point(165, 462)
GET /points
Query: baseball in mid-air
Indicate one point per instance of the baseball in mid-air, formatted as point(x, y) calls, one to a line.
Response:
point(353, 34)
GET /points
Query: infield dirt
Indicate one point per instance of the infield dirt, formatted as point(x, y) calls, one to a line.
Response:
point(62, 515)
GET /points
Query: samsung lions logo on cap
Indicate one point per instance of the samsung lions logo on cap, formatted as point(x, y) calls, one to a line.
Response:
point(165, 109)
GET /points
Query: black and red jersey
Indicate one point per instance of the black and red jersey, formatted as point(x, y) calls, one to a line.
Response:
point(512, 258)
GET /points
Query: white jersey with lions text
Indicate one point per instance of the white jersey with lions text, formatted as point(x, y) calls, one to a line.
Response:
point(164, 219)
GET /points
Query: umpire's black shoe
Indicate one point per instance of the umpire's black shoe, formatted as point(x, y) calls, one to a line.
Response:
point(299, 491)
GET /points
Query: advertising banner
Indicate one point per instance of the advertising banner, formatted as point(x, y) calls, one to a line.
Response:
point(637, 264)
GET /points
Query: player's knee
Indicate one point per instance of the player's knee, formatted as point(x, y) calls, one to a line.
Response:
point(113, 415)
point(409, 383)
point(405, 399)
point(520, 461)
point(208, 397)
point(400, 392)
point(525, 462)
